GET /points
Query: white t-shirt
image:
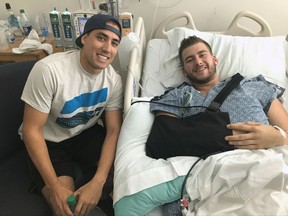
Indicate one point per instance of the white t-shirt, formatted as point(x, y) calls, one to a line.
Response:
point(73, 98)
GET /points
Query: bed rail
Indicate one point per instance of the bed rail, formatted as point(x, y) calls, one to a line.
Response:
point(132, 86)
point(163, 27)
point(235, 28)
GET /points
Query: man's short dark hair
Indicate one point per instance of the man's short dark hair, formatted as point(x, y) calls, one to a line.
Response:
point(189, 41)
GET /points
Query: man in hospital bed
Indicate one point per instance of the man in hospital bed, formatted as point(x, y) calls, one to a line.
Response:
point(256, 100)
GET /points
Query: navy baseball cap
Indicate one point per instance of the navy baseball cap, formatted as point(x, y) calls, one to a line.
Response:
point(99, 21)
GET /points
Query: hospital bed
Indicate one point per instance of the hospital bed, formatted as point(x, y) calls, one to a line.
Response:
point(142, 184)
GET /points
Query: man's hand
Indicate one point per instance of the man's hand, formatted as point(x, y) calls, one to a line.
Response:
point(254, 135)
point(88, 197)
point(58, 195)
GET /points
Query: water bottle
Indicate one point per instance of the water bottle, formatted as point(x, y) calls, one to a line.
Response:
point(42, 21)
point(9, 35)
point(13, 21)
point(72, 202)
point(25, 22)
point(3, 41)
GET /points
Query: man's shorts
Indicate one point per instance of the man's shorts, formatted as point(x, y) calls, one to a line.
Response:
point(81, 151)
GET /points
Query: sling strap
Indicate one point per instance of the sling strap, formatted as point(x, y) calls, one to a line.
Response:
point(232, 84)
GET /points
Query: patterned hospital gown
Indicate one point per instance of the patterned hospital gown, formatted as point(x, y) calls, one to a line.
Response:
point(250, 101)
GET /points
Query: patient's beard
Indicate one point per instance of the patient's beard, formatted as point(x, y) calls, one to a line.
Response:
point(211, 76)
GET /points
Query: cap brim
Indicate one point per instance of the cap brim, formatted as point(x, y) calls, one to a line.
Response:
point(78, 41)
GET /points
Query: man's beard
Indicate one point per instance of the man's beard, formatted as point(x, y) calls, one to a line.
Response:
point(194, 79)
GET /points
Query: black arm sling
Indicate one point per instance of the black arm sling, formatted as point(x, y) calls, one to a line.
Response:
point(199, 135)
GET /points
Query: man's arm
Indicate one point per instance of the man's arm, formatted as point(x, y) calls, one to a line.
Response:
point(113, 122)
point(254, 135)
point(278, 116)
point(33, 123)
point(90, 193)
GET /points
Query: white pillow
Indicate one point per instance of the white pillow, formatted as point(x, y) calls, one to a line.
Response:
point(249, 56)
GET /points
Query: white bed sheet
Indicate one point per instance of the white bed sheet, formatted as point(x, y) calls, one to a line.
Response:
point(228, 184)
point(136, 171)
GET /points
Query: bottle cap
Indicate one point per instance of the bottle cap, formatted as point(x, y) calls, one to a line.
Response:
point(71, 200)
point(22, 11)
point(7, 5)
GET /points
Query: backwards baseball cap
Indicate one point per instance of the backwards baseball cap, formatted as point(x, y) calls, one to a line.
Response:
point(99, 21)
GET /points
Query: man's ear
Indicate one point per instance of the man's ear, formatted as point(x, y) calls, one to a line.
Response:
point(215, 59)
point(184, 73)
point(83, 38)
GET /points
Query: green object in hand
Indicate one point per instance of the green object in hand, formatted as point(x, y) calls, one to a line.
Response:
point(72, 202)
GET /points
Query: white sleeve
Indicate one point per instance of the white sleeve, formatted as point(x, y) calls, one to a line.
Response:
point(39, 89)
point(116, 98)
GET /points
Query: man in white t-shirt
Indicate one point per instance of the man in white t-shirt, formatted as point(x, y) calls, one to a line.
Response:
point(67, 95)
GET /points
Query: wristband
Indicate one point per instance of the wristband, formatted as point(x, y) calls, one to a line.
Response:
point(282, 132)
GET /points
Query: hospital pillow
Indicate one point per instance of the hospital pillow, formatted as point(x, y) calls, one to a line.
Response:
point(249, 56)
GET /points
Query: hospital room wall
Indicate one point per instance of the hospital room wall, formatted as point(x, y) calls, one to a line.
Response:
point(208, 15)
point(215, 15)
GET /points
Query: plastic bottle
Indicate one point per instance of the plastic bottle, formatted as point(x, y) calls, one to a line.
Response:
point(3, 42)
point(13, 21)
point(25, 22)
point(72, 202)
point(42, 21)
point(9, 35)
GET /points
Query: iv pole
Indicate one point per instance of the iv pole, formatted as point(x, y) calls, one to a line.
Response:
point(114, 4)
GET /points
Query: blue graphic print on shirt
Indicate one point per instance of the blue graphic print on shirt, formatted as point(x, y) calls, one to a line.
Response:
point(82, 101)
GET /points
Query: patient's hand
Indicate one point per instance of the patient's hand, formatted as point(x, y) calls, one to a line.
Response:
point(254, 135)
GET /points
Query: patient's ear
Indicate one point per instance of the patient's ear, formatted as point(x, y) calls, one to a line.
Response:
point(184, 73)
point(215, 59)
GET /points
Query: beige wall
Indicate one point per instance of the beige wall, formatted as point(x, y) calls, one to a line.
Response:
point(208, 15)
